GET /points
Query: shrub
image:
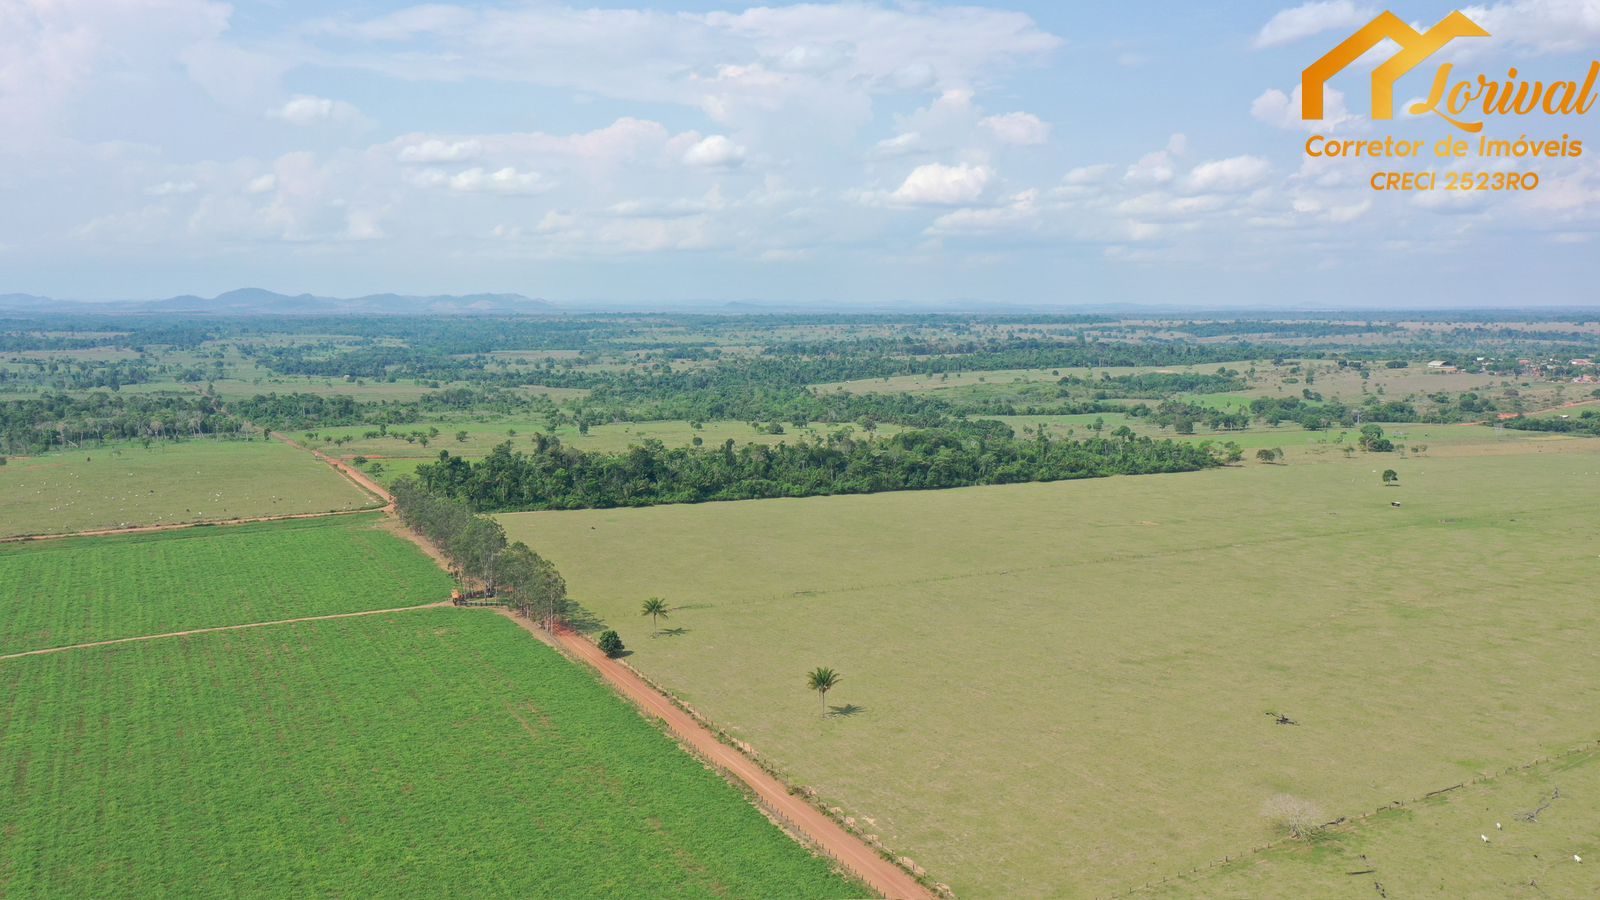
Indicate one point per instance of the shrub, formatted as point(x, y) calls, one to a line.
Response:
point(1295, 816)
point(610, 643)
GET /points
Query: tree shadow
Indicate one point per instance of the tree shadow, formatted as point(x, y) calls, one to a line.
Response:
point(849, 709)
point(673, 632)
point(582, 620)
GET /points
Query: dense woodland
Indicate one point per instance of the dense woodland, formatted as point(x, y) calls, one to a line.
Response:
point(553, 476)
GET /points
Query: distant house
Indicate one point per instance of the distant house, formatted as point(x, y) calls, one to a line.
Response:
point(1583, 362)
point(1440, 365)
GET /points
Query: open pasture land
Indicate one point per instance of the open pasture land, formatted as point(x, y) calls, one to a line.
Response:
point(1436, 847)
point(439, 753)
point(79, 590)
point(126, 485)
point(1063, 689)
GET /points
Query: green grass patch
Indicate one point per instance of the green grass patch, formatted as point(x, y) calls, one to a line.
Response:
point(1062, 688)
point(125, 485)
point(436, 753)
point(77, 590)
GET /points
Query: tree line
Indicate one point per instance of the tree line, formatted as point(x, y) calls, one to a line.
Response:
point(476, 548)
point(554, 476)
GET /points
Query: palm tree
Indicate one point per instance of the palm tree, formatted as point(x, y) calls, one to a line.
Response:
point(655, 608)
point(822, 679)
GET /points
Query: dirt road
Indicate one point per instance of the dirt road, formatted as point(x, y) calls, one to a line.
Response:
point(885, 877)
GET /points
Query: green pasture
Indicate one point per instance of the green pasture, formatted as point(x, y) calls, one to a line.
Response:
point(124, 485)
point(77, 590)
point(1436, 847)
point(441, 753)
point(1063, 689)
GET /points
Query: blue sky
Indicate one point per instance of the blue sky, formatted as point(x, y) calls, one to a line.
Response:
point(1039, 153)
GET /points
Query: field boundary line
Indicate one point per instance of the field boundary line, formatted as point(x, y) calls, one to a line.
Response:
point(771, 795)
point(181, 526)
point(215, 628)
point(1481, 778)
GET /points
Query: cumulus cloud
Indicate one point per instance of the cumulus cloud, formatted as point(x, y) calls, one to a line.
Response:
point(1023, 129)
point(435, 150)
point(306, 110)
point(504, 180)
point(1237, 173)
point(1281, 110)
point(1548, 26)
point(936, 184)
point(1160, 166)
point(1308, 19)
point(899, 145)
point(715, 152)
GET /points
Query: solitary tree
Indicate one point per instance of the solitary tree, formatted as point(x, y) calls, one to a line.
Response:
point(655, 608)
point(610, 643)
point(1390, 476)
point(822, 680)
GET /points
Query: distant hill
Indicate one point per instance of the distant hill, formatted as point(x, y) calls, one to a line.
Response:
point(260, 302)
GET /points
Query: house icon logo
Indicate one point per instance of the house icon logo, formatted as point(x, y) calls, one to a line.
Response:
point(1415, 47)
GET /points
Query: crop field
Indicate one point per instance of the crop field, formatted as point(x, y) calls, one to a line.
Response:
point(428, 753)
point(78, 590)
point(191, 481)
point(1064, 689)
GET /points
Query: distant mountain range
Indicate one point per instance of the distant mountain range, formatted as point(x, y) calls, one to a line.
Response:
point(259, 302)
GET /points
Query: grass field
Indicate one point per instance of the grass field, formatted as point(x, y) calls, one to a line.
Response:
point(1062, 688)
point(434, 753)
point(192, 481)
point(77, 590)
point(1436, 847)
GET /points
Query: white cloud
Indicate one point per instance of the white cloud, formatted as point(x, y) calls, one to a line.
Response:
point(1023, 129)
point(936, 184)
point(1159, 167)
point(261, 184)
point(1238, 173)
point(1308, 19)
point(435, 150)
point(1549, 26)
point(715, 151)
point(506, 180)
point(306, 110)
point(1281, 110)
point(1020, 209)
point(899, 145)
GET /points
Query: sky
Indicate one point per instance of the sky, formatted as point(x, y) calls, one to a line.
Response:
point(879, 153)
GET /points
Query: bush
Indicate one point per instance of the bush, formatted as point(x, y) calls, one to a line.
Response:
point(1296, 816)
point(610, 643)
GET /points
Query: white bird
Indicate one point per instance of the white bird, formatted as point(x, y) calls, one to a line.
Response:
point(1485, 838)
point(1497, 826)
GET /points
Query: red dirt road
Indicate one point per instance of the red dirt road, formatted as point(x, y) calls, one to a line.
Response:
point(885, 877)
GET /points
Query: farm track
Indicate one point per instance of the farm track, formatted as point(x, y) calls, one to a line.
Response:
point(852, 853)
point(215, 628)
point(885, 877)
point(180, 526)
